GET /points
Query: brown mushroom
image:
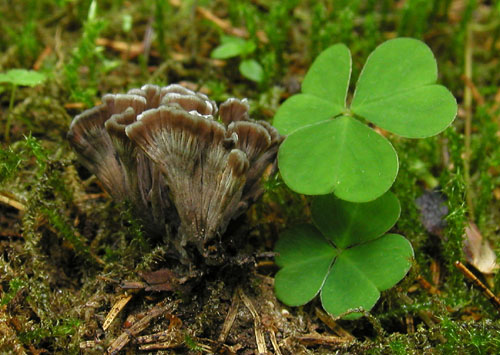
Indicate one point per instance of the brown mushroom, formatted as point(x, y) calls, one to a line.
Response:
point(98, 136)
point(206, 179)
point(154, 140)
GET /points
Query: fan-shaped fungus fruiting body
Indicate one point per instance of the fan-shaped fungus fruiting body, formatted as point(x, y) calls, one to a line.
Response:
point(163, 151)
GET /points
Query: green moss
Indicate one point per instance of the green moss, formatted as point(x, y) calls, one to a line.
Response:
point(9, 162)
point(86, 55)
point(14, 286)
point(398, 347)
point(191, 343)
point(454, 188)
point(61, 328)
point(469, 337)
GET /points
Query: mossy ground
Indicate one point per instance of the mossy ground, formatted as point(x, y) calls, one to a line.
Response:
point(62, 239)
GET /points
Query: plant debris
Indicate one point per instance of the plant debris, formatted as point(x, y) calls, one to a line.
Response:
point(478, 251)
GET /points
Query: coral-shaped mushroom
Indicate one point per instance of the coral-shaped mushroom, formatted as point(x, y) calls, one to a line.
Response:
point(210, 169)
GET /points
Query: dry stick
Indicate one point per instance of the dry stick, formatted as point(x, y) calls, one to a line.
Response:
point(486, 291)
point(318, 339)
point(173, 337)
point(230, 317)
point(428, 286)
point(330, 323)
point(137, 327)
point(224, 25)
point(116, 309)
point(476, 95)
point(410, 325)
point(274, 341)
point(468, 118)
point(11, 202)
point(257, 324)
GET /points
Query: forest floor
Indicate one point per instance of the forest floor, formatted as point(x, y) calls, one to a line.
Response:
point(75, 267)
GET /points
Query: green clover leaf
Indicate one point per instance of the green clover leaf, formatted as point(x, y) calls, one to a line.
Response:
point(341, 155)
point(232, 47)
point(345, 256)
point(22, 77)
point(329, 150)
point(251, 69)
point(399, 94)
point(321, 97)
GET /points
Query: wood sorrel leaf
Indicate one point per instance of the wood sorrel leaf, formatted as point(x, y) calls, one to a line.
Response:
point(251, 69)
point(341, 156)
point(339, 222)
point(346, 258)
point(232, 47)
point(22, 77)
point(329, 75)
point(325, 151)
point(302, 110)
point(324, 91)
point(396, 90)
point(360, 273)
point(302, 246)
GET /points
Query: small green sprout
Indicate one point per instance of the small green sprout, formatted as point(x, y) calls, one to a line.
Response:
point(14, 286)
point(329, 149)
point(232, 47)
point(18, 77)
point(345, 256)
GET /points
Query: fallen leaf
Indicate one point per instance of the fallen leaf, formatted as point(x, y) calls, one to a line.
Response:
point(478, 251)
point(160, 280)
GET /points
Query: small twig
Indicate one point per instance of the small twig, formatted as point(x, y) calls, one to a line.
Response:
point(485, 290)
point(74, 105)
point(274, 341)
point(259, 335)
point(265, 264)
point(379, 330)
point(222, 24)
point(476, 95)
point(88, 344)
point(317, 339)
point(427, 286)
point(169, 334)
point(128, 50)
point(108, 279)
point(116, 309)
point(11, 202)
point(226, 26)
point(137, 327)
point(330, 323)
point(41, 58)
point(410, 325)
point(230, 317)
